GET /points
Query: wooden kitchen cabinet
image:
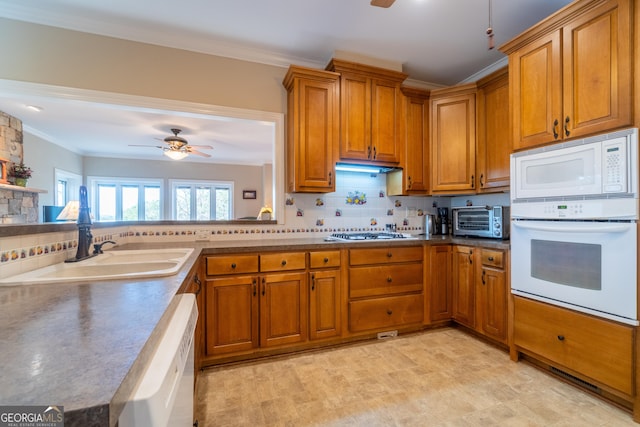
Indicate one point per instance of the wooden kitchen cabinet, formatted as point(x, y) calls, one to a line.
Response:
point(571, 75)
point(453, 139)
point(255, 301)
point(385, 288)
point(492, 295)
point(593, 349)
point(370, 113)
point(439, 277)
point(464, 295)
point(313, 123)
point(494, 135)
point(413, 178)
point(283, 309)
point(325, 302)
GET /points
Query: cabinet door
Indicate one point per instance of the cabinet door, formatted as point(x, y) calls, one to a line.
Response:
point(355, 117)
point(464, 300)
point(536, 92)
point(325, 309)
point(597, 70)
point(283, 309)
point(453, 130)
point(313, 134)
point(440, 282)
point(493, 303)
point(494, 137)
point(386, 112)
point(416, 158)
point(231, 317)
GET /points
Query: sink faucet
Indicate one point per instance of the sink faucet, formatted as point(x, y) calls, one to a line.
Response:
point(97, 248)
point(84, 228)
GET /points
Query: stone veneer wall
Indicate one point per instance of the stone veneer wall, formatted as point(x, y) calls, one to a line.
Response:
point(16, 206)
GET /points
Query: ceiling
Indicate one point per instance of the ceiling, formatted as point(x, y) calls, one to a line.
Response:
point(437, 42)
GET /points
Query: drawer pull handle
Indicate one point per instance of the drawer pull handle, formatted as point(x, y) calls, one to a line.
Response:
point(313, 282)
point(490, 258)
point(264, 286)
point(483, 274)
point(326, 260)
point(389, 279)
point(284, 262)
point(254, 288)
point(196, 279)
point(566, 126)
point(555, 129)
point(389, 312)
point(560, 337)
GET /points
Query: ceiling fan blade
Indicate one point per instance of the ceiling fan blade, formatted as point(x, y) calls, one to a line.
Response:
point(206, 147)
point(198, 153)
point(382, 3)
point(139, 145)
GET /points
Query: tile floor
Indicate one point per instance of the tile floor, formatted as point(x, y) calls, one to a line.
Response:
point(442, 377)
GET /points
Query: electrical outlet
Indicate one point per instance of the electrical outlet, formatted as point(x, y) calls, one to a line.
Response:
point(387, 334)
point(202, 235)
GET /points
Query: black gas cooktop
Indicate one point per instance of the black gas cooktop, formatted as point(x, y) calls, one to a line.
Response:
point(367, 236)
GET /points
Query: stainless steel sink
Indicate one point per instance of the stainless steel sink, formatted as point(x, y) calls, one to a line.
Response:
point(109, 265)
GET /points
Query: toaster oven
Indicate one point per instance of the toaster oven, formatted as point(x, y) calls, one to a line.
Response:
point(481, 221)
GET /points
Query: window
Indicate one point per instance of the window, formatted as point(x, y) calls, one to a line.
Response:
point(67, 187)
point(125, 199)
point(201, 200)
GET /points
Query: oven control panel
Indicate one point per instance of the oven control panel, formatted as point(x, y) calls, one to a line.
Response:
point(611, 209)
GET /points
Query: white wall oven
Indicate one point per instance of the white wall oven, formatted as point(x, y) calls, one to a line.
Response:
point(574, 209)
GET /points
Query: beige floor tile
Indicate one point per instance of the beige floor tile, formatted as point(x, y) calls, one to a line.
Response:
point(443, 378)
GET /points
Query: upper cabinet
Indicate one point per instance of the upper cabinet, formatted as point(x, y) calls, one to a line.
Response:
point(453, 139)
point(312, 129)
point(413, 179)
point(494, 136)
point(370, 113)
point(571, 74)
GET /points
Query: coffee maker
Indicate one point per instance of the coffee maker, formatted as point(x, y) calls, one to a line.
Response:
point(442, 221)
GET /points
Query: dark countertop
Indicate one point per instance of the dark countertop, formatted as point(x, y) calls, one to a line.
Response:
point(85, 345)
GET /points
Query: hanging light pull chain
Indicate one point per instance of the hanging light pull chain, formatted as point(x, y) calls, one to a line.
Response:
point(490, 29)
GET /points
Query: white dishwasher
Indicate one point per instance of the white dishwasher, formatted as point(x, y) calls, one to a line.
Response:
point(164, 397)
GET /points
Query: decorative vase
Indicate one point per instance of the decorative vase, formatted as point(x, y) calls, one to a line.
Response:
point(22, 182)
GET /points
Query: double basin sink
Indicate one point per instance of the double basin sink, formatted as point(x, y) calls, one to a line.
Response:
point(123, 264)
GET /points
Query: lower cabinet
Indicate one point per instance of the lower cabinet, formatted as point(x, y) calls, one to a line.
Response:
point(385, 288)
point(481, 290)
point(255, 308)
point(464, 286)
point(597, 350)
point(440, 300)
point(325, 295)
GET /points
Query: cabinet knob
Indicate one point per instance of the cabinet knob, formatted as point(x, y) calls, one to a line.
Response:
point(490, 258)
point(389, 254)
point(233, 265)
point(389, 312)
point(389, 279)
point(560, 337)
point(284, 262)
point(326, 260)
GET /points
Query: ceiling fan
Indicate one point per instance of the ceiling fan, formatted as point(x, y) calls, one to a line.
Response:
point(177, 147)
point(382, 3)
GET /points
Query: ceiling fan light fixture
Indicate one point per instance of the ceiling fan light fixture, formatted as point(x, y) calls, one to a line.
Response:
point(175, 155)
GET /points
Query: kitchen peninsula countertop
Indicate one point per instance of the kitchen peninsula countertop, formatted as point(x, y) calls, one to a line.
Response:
point(85, 345)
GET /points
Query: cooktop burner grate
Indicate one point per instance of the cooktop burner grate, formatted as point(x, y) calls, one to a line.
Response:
point(368, 236)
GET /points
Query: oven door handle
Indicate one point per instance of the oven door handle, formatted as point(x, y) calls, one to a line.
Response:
point(591, 228)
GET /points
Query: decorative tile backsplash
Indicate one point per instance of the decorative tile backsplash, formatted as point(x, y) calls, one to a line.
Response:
point(305, 215)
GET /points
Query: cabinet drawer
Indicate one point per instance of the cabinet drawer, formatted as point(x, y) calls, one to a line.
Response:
point(385, 312)
point(493, 258)
point(324, 259)
point(384, 255)
point(385, 280)
point(594, 347)
point(283, 261)
point(231, 264)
